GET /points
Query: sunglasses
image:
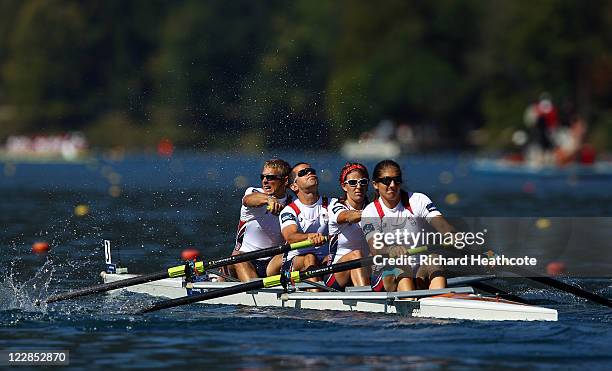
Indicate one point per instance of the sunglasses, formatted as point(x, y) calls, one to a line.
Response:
point(354, 182)
point(270, 177)
point(388, 179)
point(306, 171)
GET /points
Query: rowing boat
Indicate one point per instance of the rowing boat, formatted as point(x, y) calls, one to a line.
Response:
point(508, 168)
point(457, 302)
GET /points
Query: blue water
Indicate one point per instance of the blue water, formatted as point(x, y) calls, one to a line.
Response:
point(161, 206)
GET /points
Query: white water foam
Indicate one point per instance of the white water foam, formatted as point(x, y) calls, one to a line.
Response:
point(25, 295)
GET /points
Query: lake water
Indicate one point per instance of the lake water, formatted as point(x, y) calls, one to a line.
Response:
point(152, 208)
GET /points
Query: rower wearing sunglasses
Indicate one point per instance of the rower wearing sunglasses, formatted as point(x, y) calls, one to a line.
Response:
point(259, 227)
point(397, 210)
point(346, 241)
point(305, 218)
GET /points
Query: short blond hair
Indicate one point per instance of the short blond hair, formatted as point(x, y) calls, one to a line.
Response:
point(277, 163)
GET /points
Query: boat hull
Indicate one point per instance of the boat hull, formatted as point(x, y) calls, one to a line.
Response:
point(508, 168)
point(455, 303)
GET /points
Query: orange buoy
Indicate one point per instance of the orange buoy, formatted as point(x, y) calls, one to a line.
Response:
point(555, 268)
point(190, 254)
point(40, 247)
point(165, 148)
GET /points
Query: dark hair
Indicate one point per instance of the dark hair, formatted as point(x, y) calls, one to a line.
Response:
point(293, 175)
point(378, 169)
point(277, 163)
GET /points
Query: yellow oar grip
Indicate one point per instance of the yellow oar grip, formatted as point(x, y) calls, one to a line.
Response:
point(417, 250)
point(274, 281)
point(199, 267)
point(302, 244)
point(177, 271)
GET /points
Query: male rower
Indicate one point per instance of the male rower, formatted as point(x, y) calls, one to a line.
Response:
point(259, 227)
point(305, 218)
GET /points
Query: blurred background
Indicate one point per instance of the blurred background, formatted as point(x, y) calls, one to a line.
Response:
point(214, 75)
point(144, 121)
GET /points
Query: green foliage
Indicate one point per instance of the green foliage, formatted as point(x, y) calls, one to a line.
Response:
point(292, 74)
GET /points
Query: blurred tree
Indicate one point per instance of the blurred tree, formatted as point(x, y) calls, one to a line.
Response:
point(70, 62)
point(299, 74)
point(46, 47)
point(549, 46)
point(207, 51)
point(285, 97)
point(402, 60)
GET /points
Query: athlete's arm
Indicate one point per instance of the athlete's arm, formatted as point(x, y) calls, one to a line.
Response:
point(349, 216)
point(255, 199)
point(441, 225)
point(291, 234)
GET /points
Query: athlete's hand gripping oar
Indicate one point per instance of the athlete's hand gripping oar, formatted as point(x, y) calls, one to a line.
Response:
point(267, 282)
point(178, 271)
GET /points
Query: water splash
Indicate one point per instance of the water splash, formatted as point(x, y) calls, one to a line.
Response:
point(25, 295)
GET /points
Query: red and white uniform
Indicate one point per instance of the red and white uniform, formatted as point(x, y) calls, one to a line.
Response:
point(309, 219)
point(408, 217)
point(258, 229)
point(346, 237)
point(411, 217)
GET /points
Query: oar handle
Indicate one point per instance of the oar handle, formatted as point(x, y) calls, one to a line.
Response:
point(303, 244)
point(202, 267)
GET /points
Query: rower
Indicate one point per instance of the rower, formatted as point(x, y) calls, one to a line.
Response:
point(395, 209)
point(259, 227)
point(347, 241)
point(305, 218)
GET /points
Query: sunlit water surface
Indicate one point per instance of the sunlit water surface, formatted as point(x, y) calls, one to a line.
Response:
point(160, 206)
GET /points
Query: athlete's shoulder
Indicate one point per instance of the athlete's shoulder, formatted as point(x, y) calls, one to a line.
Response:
point(250, 190)
point(369, 210)
point(422, 202)
point(418, 196)
point(288, 214)
point(369, 219)
point(336, 206)
point(290, 208)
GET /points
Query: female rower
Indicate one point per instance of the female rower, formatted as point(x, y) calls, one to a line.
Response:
point(347, 241)
point(395, 209)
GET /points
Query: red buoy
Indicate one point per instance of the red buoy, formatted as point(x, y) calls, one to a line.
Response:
point(555, 268)
point(40, 247)
point(165, 148)
point(529, 187)
point(190, 254)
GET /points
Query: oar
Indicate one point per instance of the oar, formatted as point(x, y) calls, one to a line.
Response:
point(260, 284)
point(559, 285)
point(497, 291)
point(179, 271)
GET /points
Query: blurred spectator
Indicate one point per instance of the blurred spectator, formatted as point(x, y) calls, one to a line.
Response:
point(543, 120)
